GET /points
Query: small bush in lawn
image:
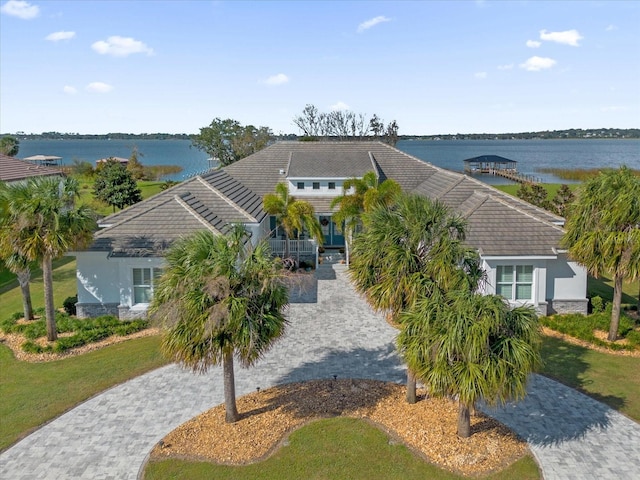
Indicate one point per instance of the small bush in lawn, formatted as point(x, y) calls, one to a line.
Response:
point(17, 315)
point(34, 330)
point(131, 327)
point(9, 324)
point(69, 305)
point(31, 347)
point(597, 304)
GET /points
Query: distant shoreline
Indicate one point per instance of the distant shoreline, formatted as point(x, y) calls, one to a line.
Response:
point(569, 134)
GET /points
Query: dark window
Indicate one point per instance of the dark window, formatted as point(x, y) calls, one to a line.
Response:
point(316, 185)
point(332, 185)
point(300, 185)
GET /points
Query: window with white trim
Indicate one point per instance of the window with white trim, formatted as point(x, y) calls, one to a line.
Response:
point(144, 280)
point(300, 185)
point(515, 282)
point(316, 185)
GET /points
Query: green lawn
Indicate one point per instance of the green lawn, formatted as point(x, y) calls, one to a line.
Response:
point(34, 393)
point(64, 285)
point(331, 448)
point(611, 379)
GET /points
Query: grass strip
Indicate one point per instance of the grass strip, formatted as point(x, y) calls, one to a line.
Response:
point(331, 448)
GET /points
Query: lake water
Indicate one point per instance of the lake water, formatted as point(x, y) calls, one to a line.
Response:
point(531, 155)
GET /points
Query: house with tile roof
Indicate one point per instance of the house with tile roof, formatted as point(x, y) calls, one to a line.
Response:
point(16, 170)
point(519, 243)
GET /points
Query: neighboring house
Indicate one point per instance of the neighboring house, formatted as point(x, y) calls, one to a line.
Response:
point(15, 170)
point(519, 243)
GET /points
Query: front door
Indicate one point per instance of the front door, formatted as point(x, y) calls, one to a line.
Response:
point(332, 236)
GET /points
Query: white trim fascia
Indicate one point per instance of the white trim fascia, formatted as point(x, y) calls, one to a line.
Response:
point(558, 251)
point(518, 257)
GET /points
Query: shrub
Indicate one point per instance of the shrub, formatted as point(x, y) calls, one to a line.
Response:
point(31, 347)
point(69, 305)
point(597, 304)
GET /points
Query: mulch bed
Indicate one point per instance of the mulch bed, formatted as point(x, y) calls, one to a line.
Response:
point(267, 417)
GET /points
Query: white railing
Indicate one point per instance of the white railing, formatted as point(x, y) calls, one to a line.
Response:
point(302, 247)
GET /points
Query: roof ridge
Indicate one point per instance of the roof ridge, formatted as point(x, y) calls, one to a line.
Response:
point(451, 187)
point(136, 215)
point(514, 207)
point(502, 194)
point(483, 198)
point(230, 202)
point(197, 216)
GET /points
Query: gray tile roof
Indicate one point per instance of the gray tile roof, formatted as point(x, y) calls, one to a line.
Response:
point(499, 224)
point(13, 169)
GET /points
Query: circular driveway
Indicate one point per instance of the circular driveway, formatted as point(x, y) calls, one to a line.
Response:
point(332, 332)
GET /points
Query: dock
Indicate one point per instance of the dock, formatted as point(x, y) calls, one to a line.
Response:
point(496, 165)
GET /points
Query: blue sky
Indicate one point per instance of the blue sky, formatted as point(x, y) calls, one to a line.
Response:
point(435, 67)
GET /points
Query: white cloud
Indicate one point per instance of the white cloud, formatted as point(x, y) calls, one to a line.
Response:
point(98, 87)
point(610, 28)
point(480, 75)
point(339, 106)
point(568, 37)
point(533, 43)
point(121, 46)
point(366, 25)
point(508, 66)
point(535, 64)
point(68, 89)
point(275, 80)
point(20, 9)
point(57, 36)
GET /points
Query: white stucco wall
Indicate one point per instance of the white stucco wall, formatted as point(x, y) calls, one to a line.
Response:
point(108, 280)
point(96, 278)
point(310, 191)
point(566, 280)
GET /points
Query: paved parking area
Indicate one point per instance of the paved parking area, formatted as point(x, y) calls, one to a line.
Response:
point(332, 332)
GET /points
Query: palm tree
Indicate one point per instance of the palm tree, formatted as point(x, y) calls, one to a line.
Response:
point(220, 297)
point(603, 231)
point(411, 249)
point(361, 196)
point(14, 262)
point(470, 346)
point(293, 215)
point(43, 224)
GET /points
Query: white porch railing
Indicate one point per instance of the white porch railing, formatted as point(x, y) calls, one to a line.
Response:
point(302, 247)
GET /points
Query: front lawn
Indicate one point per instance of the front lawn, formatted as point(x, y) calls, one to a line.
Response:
point(332, 448)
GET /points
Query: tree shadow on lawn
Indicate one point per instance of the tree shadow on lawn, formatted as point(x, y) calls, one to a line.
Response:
point(552, 412)
point(603, 287)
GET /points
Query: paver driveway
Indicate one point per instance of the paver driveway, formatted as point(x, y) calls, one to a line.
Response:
point(109, 436)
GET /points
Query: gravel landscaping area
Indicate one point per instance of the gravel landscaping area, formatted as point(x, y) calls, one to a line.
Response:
point(427, 427)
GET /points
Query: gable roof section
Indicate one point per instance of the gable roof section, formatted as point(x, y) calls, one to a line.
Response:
point(14, 169)
point(149, 227)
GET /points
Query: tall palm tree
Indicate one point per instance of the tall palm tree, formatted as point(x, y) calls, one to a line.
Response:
point(411, 249)
point(14, 262)
point(361, 195)
point(603, 231)
point(470, 346)
point(43, 224)
point(220, 297)
point(292, 215)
